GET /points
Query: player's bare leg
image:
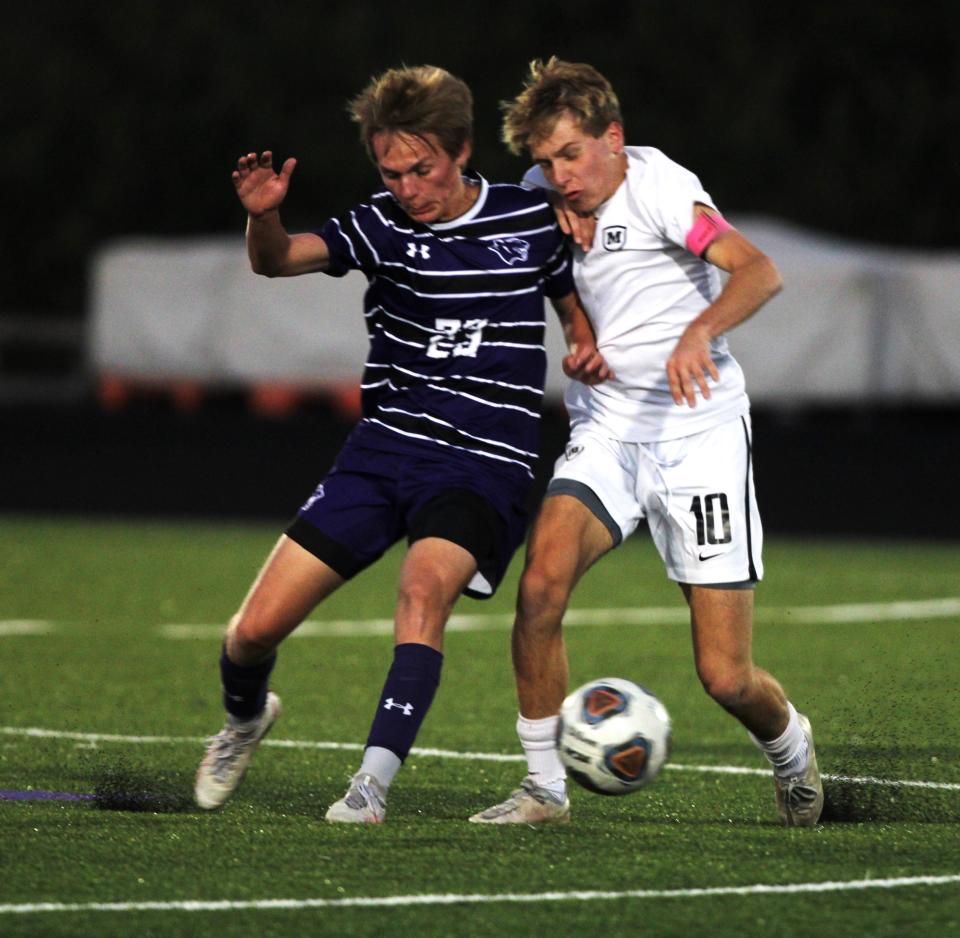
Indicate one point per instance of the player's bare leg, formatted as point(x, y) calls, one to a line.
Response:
point(290, 584)
point(434, 573)
point(722, 625)
point(566, 541)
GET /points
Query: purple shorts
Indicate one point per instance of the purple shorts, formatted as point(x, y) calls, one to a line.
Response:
point(372, 498)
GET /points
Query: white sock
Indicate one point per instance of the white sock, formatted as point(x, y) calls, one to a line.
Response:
point(539, 741)
point(381, 763)
point(788, 752)
point(243, 725)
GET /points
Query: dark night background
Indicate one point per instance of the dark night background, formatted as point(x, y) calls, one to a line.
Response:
point(125, 119)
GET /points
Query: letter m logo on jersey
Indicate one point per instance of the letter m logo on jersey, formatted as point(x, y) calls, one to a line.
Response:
point(614, 238)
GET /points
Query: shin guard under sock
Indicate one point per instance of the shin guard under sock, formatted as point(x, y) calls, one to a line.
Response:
point(245, 689)
point(406, 697)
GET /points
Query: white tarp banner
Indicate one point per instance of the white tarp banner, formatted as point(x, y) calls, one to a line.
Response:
point(193, 310)
point(854, 323)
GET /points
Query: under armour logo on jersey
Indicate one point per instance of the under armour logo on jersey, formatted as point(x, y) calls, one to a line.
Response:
point(407, 708)
point(511, 250)
point(573, 449)
point(614, 237)
point(413, 249)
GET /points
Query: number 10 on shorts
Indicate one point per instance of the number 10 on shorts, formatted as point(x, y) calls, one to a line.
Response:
point(713, 519)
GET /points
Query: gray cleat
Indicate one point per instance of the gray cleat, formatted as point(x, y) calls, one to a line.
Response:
point(228, 755)
point(800, 797)
point(364, 803)
point(529, 804)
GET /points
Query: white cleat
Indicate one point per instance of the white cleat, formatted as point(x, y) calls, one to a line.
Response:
point(228, 755)
point(364, 803)
point(800, 797)
point(529, 804)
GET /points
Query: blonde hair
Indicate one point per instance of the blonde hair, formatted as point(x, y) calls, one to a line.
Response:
point(553, 90)
point(415, 100)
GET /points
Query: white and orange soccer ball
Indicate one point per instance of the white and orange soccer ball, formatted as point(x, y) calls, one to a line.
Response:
point(614, 736)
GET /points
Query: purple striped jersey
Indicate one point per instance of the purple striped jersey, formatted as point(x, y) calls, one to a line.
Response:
point(455, 318)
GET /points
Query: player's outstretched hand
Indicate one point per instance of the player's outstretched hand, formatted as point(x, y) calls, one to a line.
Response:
point(586, 364)
point(259, 188)
point(689, 366)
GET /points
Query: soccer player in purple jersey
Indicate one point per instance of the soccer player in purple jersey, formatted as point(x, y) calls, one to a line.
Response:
point(458, 269)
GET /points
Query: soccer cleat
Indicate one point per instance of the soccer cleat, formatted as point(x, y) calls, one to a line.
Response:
point(800, 797)
point(364, 803)
point(529, 804)
point(228, 755)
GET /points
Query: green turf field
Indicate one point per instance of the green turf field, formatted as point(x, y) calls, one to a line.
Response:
point(112, 628)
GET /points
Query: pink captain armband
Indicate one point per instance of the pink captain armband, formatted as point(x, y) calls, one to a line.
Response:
point(706, 229)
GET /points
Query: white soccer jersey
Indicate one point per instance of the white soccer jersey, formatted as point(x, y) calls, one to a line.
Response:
point(642, 287)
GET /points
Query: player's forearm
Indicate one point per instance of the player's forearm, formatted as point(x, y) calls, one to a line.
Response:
point(577, 330)
point(268, 244)
point(748, 288)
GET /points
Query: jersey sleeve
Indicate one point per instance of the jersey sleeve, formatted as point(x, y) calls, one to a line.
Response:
point(675, 191)
point(559, 269)
point(558, 280)
point(534, 178)
point(349, 239)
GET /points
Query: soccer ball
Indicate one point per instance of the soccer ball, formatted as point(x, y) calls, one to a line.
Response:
point(614, 736)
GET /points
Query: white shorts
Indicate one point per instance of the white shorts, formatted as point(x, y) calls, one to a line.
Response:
point(696, 494)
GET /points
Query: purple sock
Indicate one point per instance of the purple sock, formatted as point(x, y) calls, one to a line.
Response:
point(245, 689)
point(406, 697)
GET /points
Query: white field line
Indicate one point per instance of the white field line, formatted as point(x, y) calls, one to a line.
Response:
point(650, 615)
point(94, 738)
point(368, 902)
point(25, 627)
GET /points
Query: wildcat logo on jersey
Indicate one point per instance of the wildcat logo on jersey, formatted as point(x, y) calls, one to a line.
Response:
point(313, 499)
point(572, 450)
point(511, 250)
point(614, 237)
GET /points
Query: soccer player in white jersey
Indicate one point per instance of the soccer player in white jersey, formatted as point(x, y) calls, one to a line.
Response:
point(667, 439)
point(458, 269)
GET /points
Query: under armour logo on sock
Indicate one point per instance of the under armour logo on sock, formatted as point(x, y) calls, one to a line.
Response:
point(407, 708)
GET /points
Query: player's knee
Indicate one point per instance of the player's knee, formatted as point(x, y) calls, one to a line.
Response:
point(423, 597)
point(246, 642)
point(727, 686)
point(543, 596)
